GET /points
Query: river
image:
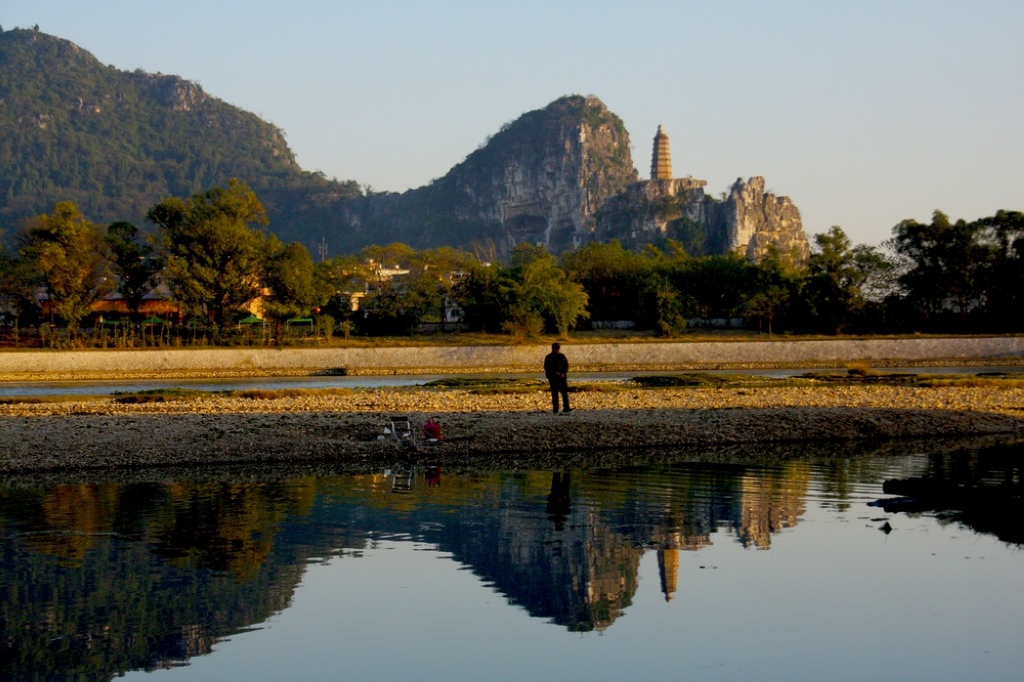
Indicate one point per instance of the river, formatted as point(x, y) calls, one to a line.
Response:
point(9, 389)
point(713, 565)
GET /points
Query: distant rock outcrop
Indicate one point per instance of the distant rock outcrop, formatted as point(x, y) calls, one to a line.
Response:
point(748, 219)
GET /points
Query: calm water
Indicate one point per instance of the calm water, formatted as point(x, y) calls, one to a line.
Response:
point(714, 569)
point(107, 387)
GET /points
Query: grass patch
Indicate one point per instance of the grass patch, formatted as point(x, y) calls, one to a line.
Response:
point(859, 376)
point(26, 400)
point(489, 385)
point(695, 380)
point(973, 381)
point(855, 377)
point(281, 393)
point(157, 395)
point(598, 387)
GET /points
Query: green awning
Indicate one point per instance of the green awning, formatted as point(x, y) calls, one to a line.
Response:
point(251, 319)
point(153, 320)
point(301, 320)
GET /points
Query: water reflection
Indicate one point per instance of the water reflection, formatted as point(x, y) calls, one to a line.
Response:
point(102, 578)
point(983, 491)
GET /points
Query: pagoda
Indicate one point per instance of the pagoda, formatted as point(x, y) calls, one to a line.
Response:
point(661, 159)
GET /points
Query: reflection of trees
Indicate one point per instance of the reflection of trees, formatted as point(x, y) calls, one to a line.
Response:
point(983, 489)
point(85, 593)
point(228, 526)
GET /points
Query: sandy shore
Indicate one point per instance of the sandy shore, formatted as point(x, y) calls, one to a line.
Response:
point(508, 430)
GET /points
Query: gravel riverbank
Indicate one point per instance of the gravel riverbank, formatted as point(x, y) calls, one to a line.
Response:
point(344, 427)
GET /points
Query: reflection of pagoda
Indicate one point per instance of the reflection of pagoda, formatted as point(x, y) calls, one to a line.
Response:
point(668, 568)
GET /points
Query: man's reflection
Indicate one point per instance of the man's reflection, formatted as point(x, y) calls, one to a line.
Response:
point(559, 505)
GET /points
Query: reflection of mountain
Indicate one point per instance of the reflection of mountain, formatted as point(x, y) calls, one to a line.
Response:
point(575, 571)
point(100, 579)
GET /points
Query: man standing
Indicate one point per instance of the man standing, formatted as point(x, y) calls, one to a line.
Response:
point(556, 369)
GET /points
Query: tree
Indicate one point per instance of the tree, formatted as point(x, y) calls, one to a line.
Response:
point(535, 287)
point(1005, 286)
point(774, 284)
point(613, 277)
point(381, 270)
point(946, 265)
point(713, 286)
point(64, 250)
point(213, 258)
point(435, 273)
point(566, 301)
point(17, 286)
point(834, 280)
point(339, 281)
point(134, 264)
point(291, 287)
point(480, 296)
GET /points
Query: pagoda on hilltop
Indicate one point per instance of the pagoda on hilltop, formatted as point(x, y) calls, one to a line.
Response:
point(661, 158)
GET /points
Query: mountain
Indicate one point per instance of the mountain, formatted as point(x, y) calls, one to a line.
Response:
point(540, 179)
point(117, 142)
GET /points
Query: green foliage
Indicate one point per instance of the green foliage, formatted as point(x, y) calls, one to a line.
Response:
point(943, 257)
point(290, 282)
point(775, 285)
point(213, 258)
point(114, 143)
point(17, 288)
point(697, 380)
point(133, 263)
point(534, 288)
point(713, 286)
point(947, 265)
point(614, 279)
point(65, 250)
point(1005, 277)
point(480, 296)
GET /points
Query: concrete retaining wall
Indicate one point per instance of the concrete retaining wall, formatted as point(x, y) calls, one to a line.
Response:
point(522, 358)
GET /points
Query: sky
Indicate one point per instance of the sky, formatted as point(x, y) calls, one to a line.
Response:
point(863, 113)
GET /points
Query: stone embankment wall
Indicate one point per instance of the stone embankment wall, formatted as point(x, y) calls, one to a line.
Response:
point(527, 358)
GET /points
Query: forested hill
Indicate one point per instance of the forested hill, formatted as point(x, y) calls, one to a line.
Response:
point(116, 142)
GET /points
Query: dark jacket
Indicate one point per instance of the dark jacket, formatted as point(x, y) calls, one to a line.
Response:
point(556, 366)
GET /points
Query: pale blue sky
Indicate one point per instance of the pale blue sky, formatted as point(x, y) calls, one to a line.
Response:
point(864, 113)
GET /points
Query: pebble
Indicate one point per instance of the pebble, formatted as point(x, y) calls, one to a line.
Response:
point(346, 426)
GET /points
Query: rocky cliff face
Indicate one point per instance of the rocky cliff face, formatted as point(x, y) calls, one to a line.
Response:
point(747, 220)
point(544, 177)
point(540, 179)
point(754, 220)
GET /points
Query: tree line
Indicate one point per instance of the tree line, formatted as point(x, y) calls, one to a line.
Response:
point(216, 258)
